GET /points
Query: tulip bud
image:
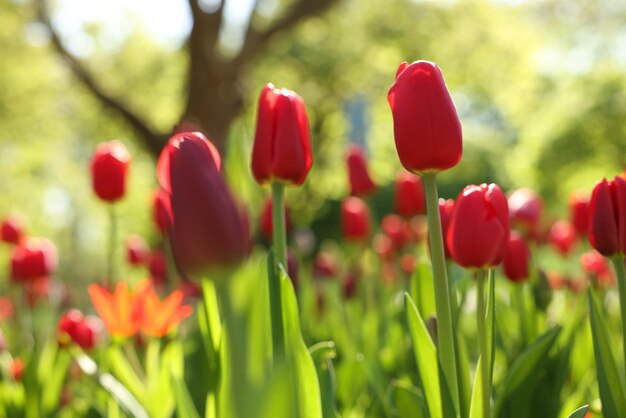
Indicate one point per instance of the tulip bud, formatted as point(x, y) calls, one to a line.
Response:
point(208, 229)
point(266, 219)
point(355, 219)
point(33, 258)
point(36, 290)
point(446, 209)
point(383, 246)
point(350, 283)
point(361, 184)
point(479, 228)
point(426, 126)
point(579, 212)
point(562, 237)
point(397, 230)
point(525, 209)
point(409, 197)
point(157, 265)
point(607, 217)
point(161, 211)
point(596, 266)
point(282, 144)
point(516, 259)
point(136, 250)
point(11, 229)
point(324, 265)
point(74, 327)
point(109, 169)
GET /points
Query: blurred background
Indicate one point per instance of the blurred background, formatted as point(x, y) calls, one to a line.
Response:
point(539, 86)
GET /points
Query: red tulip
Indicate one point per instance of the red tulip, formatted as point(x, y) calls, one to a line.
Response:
point(607, 217)
point(325, 265)
point(33, 258)
point(397, 230)
point(383, 246)
point(579, 212)
point(36, 290)
point(562, 236)
point(525, 209)
point(282, 146)
point(74, 327)
point(594, 264)
point(355, 219)
point(136, 250)
point(516, 259)
point(409, 197)
point(350, 283)
point(426, 126)
point(161, 211)
point(446, 209)
point(208, 228)
point(266, 219)
point(361, 184)
point(109, 169)
point(479, 228)
point(157, 265)
point(12, 229)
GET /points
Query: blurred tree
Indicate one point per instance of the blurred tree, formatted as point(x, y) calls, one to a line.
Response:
point(214, 97)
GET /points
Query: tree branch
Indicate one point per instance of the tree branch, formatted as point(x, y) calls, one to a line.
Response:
point(256, 39)
point(152, 140)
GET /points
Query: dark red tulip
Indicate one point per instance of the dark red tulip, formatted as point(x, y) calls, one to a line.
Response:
point(479, 228)
point(361, 184)
point(33, 258)
point(266, 219)
point(11, 229)
point(579, 212)
point(562, 237)
point(282, 144)
point(409, 197)
point(325, 265)
point(397, 229)
point(208, 229)
point(161, 211)
point(516, 259)
point(525, 209)
point(137, 250)
point(446, 208)
point(355, 219)
point(109, 169)
point(74, 327)
point(607, 217)
point(426, 126)
point(350, 283)
point(157, 265)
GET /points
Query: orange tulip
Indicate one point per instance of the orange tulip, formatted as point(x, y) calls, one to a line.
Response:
point(159, 317)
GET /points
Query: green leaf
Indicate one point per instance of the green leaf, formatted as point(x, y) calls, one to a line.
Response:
point(609, 383)
point(580, 412)
point(477, 407)
point(425, 356)
point(299, 361)
point(210, 323)
point(408, 400)
point(491, 319)
point(422, 289)
point(185, 407)
point(323, 354)
point(125, 373)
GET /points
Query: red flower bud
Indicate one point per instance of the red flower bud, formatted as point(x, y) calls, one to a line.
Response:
point(579, 212)
point(12, 229)
point(161, 211)
point(33, 258)
point(409, 197)
point(361, 184)
point(426, 126)
point(607, 217)
point(282, 144)
point(266, 219)
point(208, 228)
point(157, 265)
point(562, 237)
point(525, 209)
point(355, 219)
point(109, 169)
point(383, 246)
point(446, 208)
point(397, 230)
point(479, 228)
point(594, 264)
point(324, 265)
point(36, 290)
point(516, 259)
point(350, 283)
point(74, 327)
point(136, 250)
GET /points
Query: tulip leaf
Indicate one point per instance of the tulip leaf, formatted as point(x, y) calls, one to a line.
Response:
point(323, 354)
point(477, 407)
point(209, 322)
point(299, 361)
point(184, 404)
point(425, 356)
point(609, 383)
point(422, 289)
point(126, 374)
point(580, 412)
point(408, 400)
point(526, 370)
point(491, 320)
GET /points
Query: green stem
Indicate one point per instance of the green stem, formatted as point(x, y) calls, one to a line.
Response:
point(109, 280)
point(279, 237)
point(446, 351)
point(519, 295)
point(618, 263)
point(482, 342)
